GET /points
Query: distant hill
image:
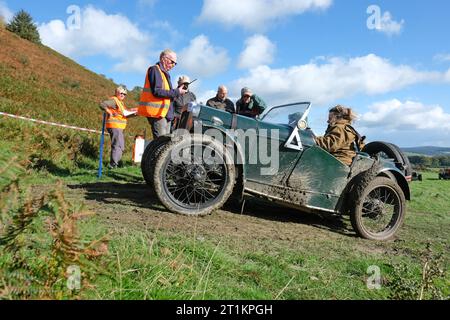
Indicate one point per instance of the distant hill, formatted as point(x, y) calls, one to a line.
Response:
point(427, 151)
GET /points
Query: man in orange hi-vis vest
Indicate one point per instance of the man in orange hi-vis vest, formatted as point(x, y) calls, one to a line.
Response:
point(158, 94)
point(116, 122)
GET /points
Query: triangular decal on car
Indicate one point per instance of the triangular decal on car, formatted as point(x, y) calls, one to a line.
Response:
point(294, 142)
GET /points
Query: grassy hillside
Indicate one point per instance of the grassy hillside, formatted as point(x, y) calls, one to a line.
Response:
point(37, 82)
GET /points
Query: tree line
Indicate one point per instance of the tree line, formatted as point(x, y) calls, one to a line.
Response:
point(433, 162)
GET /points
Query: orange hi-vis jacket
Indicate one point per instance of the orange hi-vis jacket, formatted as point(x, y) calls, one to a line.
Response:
point(117, 120)
point(151, 106)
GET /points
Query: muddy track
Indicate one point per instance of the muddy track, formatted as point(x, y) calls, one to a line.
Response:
point(133, 206)
point(127, 207)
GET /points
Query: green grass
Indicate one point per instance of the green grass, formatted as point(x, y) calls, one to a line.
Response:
point(319, 269)
point(167, 266)
point(163, 266)
point(431, 195)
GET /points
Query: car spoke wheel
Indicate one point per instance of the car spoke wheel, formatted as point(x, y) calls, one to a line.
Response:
point(194, 184)
point(379, 210)
point(196, 176)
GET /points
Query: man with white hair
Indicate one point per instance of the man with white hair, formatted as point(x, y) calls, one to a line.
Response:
point(220, 101)
point(116, 122)
point(156, 103)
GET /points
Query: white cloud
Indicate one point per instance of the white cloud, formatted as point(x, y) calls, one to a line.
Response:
point(327, 80)
point(390, 26)
point(100, 34)
point(394, 115)
point(202, 59)
point(259, 50)
point(256, 14)
point(204, 96)
point(5, 12)
point(137, 63)
point(166, 34)
point(442, 57)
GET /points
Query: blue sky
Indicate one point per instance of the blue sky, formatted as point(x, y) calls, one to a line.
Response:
point(393, 68)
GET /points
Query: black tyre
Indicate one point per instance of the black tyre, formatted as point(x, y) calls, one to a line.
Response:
point(149, 157)
point(196, 175)
point(378, 210)
point(405, 161)
point(389, 151)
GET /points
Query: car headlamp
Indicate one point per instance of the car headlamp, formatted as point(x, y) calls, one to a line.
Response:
point(194, 109)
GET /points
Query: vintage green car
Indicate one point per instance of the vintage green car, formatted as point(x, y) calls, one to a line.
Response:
point(215, 156)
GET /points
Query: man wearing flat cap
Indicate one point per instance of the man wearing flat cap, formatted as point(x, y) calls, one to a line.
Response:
point(180, 102)
point(250, 105)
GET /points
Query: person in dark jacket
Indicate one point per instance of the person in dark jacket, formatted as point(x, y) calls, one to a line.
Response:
point(250, 105)
point(220, 101)
point(340, 137)
point(156, 103)
point(180, 102)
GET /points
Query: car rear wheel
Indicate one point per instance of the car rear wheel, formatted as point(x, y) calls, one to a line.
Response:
point(378, 210)
point(389, 151)
point(405, 161)
point(196, 175)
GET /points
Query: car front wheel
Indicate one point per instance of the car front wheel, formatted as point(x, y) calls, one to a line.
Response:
point(379, 209)
point(196, 175)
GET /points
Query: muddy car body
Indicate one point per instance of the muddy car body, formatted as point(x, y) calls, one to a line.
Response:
point(275, 157)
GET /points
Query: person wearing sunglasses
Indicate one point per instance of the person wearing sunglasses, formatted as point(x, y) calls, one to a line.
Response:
point(116, 122)
point(156, 102)
point(250, 105)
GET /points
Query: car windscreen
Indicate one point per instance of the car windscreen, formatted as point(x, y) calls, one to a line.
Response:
point(286, 115)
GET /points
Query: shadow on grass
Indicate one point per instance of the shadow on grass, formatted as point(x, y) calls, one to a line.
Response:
point(123, 176)
point(134, 194)
point(51, 167)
